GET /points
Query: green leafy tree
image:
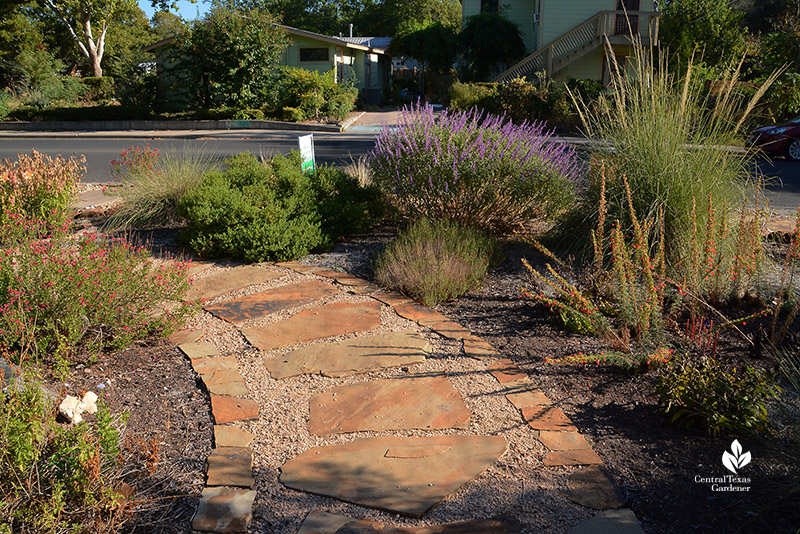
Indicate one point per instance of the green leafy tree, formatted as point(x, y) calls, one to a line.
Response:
point(165, 25)
point(433, 43)
point(231, 57)
point(710, 27)
point(489, 40)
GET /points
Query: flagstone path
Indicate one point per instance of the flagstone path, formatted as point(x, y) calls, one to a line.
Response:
point(313, 325)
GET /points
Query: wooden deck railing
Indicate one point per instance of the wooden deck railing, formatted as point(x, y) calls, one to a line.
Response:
point(630, 25)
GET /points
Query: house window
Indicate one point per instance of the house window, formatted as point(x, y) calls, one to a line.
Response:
point(490, 6)
point(313, 54)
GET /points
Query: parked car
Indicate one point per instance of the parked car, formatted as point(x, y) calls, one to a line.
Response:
point(778, 139)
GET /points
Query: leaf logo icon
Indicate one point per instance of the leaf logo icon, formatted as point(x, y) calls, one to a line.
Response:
point(736, 459)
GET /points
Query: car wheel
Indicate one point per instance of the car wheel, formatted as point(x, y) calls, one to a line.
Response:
point(793, 150)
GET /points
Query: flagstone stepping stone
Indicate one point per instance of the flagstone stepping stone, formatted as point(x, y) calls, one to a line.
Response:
point(421, 314)
point(350, 280)
point(506, 371)
point(392, 298)
point(227, 409)
point(528, 399)
point(229, 280)
point(547, 418)
point(351, 356)
point(225, 510)
point(228, 382)
point(316, 323)
point(323, 523)
point(592, 488)
point(230, 466)
point(194, 268)
point(392, 404)
point(230, 436)
point(185, 336)
point(270, 301)
point(622, 521)
point(563, 441)
point(404, 475)
point(583, 457)
point(475, 347)
point(198, 350)
point(450, 330)
point(211, 365)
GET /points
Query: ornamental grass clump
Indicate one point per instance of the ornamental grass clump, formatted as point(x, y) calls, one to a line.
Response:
point(668, 137)
point(435, 261)
point(153, 183)
point(479, 170)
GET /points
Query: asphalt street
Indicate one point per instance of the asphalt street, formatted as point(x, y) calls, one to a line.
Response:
point(99, 151)
point(782, 177)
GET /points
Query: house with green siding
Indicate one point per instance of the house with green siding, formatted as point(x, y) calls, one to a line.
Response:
point(362, 60)
point(570, 38)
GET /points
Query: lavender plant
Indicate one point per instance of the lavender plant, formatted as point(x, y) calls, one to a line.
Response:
point(479, 170)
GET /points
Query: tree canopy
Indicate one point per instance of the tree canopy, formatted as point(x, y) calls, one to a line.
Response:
point(710, 28)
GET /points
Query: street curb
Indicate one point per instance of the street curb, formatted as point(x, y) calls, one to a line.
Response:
point(147, 125)
point(349, 122)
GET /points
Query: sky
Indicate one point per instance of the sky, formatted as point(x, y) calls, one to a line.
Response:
point(186, 9)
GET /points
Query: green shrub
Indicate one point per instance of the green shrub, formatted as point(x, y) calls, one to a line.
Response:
point(5, 105)
point(702, 393)
point(465, 96)
point(478, 170)
point(303, 94)
point(273, 211)
point(62, 297)
point(86, 113)
point(98, 89)
point(38, 186)
point(253, 211)
point(435, 262)
point(153, 184)
point(56, 478)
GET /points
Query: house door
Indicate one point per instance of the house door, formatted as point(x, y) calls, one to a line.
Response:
point(627, 24)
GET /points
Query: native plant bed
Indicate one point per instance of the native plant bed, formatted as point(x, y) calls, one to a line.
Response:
point(651, 461)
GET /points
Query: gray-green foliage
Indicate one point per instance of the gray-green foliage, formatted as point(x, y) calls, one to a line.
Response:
point(435, 261)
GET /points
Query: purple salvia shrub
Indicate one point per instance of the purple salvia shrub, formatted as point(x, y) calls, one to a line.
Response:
point(480, 170)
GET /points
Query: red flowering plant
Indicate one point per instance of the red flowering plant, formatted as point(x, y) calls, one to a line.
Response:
point(63, 297)
point(134, 161)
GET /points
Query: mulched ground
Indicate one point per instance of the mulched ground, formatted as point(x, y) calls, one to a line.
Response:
point(653, 463)
point(169, 416)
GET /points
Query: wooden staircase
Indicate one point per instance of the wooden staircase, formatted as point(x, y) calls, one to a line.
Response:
point(617, 27)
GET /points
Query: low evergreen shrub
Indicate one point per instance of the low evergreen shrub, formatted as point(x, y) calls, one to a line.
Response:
point(98, 89)
point(703, 393)
point(260, 211)
point(435, 261)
